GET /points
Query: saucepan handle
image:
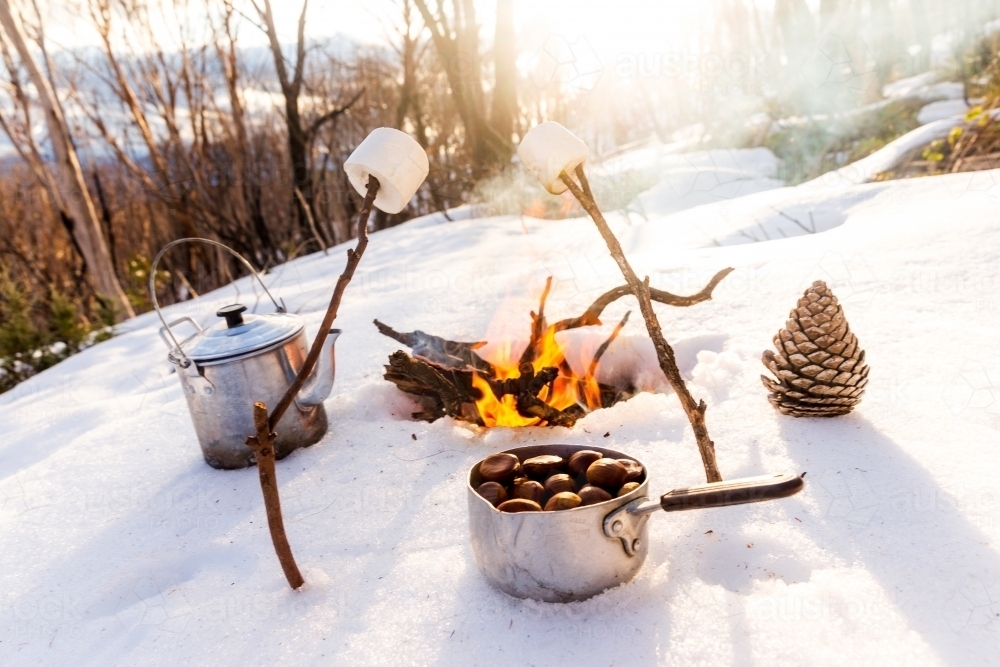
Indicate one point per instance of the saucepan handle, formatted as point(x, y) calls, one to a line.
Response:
point(734, 492)
point(626, 522)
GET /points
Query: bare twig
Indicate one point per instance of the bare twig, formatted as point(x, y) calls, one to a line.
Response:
point(311, 219)
point(592, 369)
point(263, 449)
point(593, 314)
point(353, 258)
point(788, 217)
point(537, 325)
point(664, 353)
point(332, 114)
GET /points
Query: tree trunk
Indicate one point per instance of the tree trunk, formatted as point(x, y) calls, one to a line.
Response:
point(459, 56)
point(291, 86)
point(922, 28)
point(505, 71)
point(298, 152)
point(86, 226)
point(885, 46)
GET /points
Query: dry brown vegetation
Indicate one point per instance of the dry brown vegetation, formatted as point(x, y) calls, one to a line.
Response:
point(181, 130)
point(203, 138)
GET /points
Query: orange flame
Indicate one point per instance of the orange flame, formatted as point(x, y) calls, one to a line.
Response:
point(565, 390)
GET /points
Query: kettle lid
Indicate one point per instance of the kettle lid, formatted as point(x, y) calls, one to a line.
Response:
point(240, 334)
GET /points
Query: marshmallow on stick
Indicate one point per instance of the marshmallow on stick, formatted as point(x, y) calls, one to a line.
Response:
point(549, 149)
point(554, 155)
point(396, 160)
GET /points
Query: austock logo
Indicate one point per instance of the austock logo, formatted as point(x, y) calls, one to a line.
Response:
point(562, 60)
point(736, 73)
point(28, 498)
point(974, 387)
point(151, 603)
point(167, 607)
point(975, 607)
point(844, 63)
point(30, 618)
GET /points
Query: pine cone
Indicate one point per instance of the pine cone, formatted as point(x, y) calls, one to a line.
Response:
point(821, 370)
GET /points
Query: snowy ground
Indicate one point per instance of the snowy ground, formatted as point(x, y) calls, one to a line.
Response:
point(121, 547)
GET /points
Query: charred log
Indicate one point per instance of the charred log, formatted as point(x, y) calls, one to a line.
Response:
point(532, 406)
point(449, 392)
point(438, 350)
point(445, 391)
point(526, 383)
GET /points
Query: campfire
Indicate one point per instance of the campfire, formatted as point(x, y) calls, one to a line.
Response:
point(538, 388)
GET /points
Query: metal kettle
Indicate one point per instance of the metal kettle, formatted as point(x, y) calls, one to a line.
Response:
point(241, 359)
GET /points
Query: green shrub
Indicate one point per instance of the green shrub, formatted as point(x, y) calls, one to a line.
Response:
point(38, 334)
point(817, 146)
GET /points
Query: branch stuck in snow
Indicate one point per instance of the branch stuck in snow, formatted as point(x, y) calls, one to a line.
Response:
point(262, 445)
point(664, 353)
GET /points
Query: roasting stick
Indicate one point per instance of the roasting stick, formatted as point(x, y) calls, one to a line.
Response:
point(664, 353)
point(262, 445)
point(353, 259)
point(389, 166)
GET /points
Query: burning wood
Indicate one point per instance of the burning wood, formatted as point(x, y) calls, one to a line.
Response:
point(450, 378)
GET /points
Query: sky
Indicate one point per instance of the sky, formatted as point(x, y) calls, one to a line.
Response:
point(609, 28)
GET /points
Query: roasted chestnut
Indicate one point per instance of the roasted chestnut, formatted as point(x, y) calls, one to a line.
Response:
point(608, 474)
point(633, 468)
point(530, 490)
point(499, 468)
point(559, 483)
point(493, 492)
point(581, 460)
point(591, 495)
point(562, 501)
point(520, 505)
point(627, 487)
point(539, 466)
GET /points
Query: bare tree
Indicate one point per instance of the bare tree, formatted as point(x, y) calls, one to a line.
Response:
point(457, 44)
point(410, 50)
point(74, 197)
point(504, 109)
point(300, 134)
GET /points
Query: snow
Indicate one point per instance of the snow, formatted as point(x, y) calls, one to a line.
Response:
point(121, 547)
point(923, 87)
point(692, 179)
point(942, 109)
point(892, 153)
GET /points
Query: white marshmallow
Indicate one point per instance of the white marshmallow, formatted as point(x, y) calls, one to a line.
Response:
point(396, 160)
point(549, 149)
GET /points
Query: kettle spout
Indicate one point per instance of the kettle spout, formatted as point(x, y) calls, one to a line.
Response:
point(319, 384)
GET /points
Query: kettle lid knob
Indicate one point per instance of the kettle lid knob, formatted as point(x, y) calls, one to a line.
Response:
point(233, 314)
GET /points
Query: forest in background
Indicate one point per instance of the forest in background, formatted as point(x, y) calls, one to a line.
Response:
point(183, 131)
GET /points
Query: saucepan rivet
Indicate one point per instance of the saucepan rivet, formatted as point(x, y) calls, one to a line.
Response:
point(636, 544)
point(616, 527)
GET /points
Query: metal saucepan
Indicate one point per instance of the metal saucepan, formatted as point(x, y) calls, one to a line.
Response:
point(575, 554)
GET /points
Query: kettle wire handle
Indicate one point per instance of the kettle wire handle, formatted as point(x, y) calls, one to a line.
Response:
point(152, 287)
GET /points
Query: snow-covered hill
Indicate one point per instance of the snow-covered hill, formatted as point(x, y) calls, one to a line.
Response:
point(120, 546)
